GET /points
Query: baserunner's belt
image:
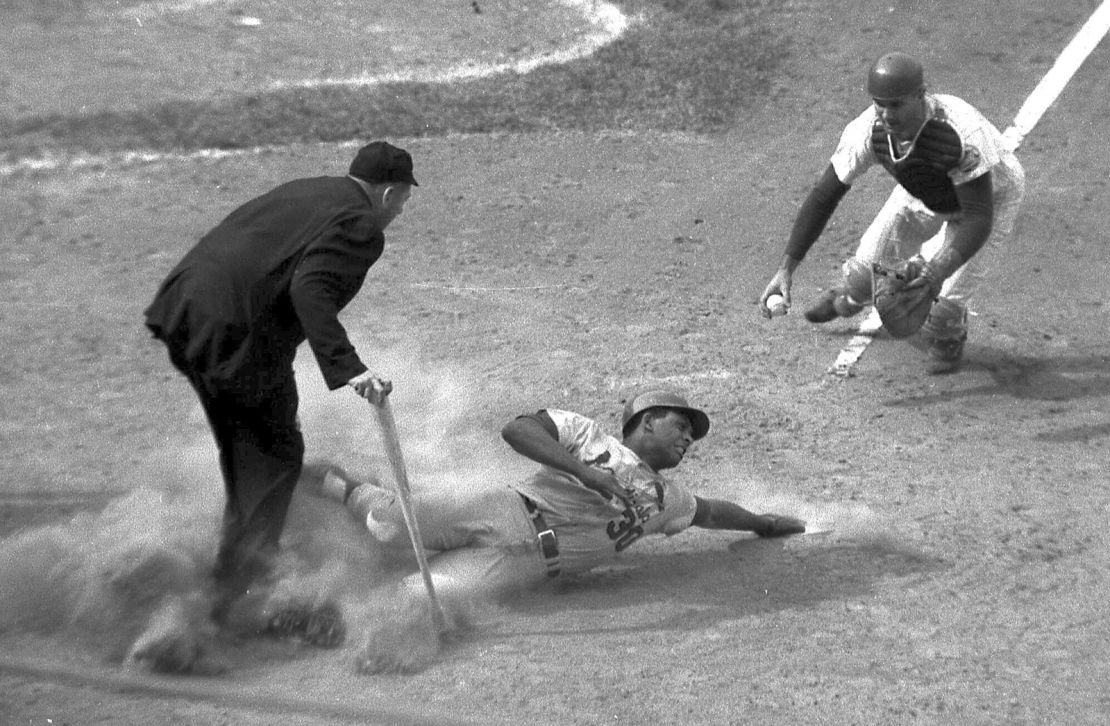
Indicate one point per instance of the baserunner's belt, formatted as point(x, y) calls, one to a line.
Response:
point(549, 543)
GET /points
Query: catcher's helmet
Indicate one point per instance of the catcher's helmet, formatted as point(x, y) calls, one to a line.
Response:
point(665, 399)
point(895, 75)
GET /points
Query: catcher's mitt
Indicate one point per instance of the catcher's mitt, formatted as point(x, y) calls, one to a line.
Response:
point(904, 296)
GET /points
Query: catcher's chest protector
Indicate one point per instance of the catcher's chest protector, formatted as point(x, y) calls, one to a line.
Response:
point(923, 171)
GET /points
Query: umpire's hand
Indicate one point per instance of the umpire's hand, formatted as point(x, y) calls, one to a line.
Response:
point(371, 386)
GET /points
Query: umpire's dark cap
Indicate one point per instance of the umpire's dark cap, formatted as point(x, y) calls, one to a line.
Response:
point(663, 398)
point(379, 162)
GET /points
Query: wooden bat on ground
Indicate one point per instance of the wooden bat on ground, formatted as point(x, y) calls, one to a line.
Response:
point(404, 495)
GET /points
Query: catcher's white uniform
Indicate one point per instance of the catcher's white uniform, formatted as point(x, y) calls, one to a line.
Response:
point(906, 225)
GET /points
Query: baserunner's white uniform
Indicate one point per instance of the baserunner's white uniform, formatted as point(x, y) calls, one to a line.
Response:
point(906, 225)
point(590, 528)
point(486, 542)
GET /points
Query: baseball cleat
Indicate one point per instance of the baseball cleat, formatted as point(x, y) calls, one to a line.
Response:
point(833, 303)
point(945, 356)
point(825, 309)
point(319, 625)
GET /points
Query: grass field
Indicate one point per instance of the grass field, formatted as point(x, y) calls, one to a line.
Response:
point(690, 66)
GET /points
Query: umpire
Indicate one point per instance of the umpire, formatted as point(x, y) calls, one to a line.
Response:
point(277, 271)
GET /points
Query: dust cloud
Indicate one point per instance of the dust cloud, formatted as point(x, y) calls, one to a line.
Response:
point(136, 572)
point(840, 520)
point(100, 577)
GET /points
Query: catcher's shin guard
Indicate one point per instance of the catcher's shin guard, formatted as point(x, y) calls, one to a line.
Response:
point(857, 290)
point(858, 281)
point(946, 331)
point(947, 320)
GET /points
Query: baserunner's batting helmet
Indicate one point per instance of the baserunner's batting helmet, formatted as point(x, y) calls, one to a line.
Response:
point(895, 75)
point(665, 399)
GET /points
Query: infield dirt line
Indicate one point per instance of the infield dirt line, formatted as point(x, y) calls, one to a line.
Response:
point(609, 23)
point(212, 690)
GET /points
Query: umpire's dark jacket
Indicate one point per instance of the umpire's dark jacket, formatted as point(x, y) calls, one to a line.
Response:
point(275, 272)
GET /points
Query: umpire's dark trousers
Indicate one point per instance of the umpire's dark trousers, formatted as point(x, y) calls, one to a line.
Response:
point(253, 417)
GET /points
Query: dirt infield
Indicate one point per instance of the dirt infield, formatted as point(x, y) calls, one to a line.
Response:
point(959, 575)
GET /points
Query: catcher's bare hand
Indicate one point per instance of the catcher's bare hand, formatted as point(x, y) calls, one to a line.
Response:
point(371, 386)
point(779, 285)
point(780, 525)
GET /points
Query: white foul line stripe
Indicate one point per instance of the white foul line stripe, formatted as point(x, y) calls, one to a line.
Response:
point(1050, 87)
point(1043, 96)
point(852, 352)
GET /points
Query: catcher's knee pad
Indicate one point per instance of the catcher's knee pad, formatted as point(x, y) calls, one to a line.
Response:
point(856, 291)
point(947, 320)
point(857, 281)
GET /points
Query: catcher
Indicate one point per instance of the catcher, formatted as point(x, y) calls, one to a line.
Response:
point(593, 496)
point(958, 193)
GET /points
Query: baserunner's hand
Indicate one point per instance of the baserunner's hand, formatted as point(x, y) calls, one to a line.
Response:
point(605, 484)
point(780, 525)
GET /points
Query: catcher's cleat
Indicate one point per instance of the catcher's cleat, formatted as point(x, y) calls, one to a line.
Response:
point(319, 625)
point(845, 306)
point(945, 356)
point(825, 308)
point(833, 303)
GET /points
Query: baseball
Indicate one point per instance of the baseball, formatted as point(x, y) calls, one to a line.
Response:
point(776, 304)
